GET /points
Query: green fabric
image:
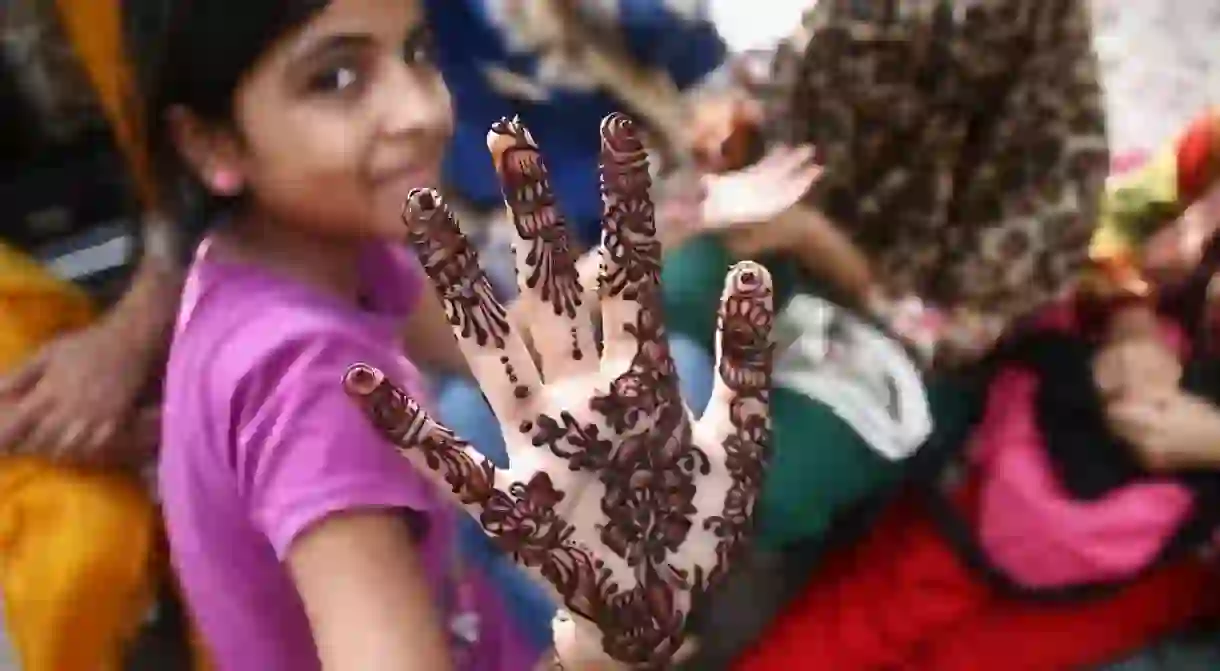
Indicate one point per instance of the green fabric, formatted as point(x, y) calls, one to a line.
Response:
point(819, 468)
point(819, 465)
point(693, 280)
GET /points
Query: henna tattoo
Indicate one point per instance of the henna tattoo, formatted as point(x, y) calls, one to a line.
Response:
point(629, 233)
point(633, 573)
point(405, 423)
point(453, 264)
point(577, 354)
point(745, 321)
point(527, 190)
point(521, 518)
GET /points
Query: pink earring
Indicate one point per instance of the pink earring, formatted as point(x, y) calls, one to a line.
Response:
point(225, 182)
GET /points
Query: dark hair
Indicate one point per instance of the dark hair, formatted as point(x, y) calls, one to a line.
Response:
point(194, 53)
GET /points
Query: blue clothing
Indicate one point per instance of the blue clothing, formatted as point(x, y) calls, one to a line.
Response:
point(563, 118)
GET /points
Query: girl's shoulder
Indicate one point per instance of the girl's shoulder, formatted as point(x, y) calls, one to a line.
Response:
point(234, 335)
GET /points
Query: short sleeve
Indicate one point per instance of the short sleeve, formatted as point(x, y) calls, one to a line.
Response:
point(305, 451)
point(392, 278)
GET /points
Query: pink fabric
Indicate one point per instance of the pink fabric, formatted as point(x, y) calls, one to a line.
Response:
point(1031, 527)
point(260, 443)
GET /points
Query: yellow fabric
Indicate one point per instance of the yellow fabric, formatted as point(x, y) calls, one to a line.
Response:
point(1136, 206)
point(76, 552)
point(76, 546)
point(34, 308)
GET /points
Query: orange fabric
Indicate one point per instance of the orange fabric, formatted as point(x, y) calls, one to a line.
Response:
point(95, 29)
point(79, 555)
point(76, 563)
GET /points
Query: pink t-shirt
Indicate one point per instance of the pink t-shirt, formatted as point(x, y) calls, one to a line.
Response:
point(260, 442)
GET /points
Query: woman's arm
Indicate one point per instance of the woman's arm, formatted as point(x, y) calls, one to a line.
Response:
point(334, 501)
point(1174, 432)
point(818, 245)
point(368, 599)
point(146, 312)
point(120, 355)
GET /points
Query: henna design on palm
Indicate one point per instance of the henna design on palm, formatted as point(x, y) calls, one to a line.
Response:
point(615, 495)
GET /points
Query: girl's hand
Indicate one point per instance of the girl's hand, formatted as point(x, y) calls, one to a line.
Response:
point(679, 211)
point(615, 496)
point(761, 192)
point(1173, 432)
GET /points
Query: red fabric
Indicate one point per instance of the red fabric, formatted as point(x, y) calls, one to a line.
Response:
point(1195, 159)
point(901, 600)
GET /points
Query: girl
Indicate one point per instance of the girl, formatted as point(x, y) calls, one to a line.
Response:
point(296, 533)
point(308, 124)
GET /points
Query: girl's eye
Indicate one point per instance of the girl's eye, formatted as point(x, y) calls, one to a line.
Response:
point(335, 80)
point(419, 50)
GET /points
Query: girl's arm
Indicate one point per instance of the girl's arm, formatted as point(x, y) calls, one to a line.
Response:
point(368, 600)
point(334, 500)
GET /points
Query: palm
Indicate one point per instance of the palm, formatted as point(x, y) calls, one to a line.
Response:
point(614, 494)
point(762, 191)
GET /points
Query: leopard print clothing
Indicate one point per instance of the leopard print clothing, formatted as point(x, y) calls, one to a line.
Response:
point(964, 141)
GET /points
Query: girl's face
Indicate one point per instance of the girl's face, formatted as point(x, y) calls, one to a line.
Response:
point(339, 120)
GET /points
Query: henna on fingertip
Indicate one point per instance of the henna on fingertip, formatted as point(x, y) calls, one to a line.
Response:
point(549, 261)
point(747, 314)
point(547, 274)
point(452, 263)
point(631, 252)
point(744, 322)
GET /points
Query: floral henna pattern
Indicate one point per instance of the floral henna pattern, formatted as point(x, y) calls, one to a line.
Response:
point(521, 517)
point(453, 264)
point(404, 422)
point(614, 494)
point(746, 317)
point(550, 262)
point(632, 253)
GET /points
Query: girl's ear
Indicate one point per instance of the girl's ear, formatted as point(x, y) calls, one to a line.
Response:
point(211, 154)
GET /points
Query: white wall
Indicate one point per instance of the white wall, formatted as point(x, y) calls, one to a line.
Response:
point(746, 25)
point(1161, 66)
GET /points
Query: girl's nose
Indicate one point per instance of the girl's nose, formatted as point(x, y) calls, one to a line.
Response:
point(417, 102)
